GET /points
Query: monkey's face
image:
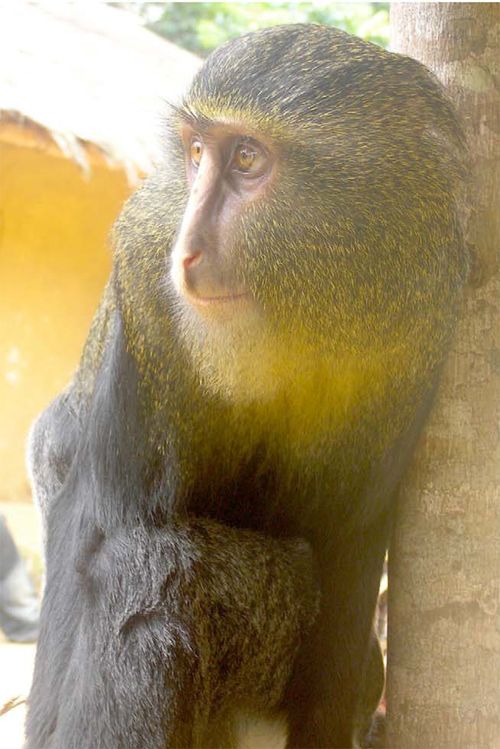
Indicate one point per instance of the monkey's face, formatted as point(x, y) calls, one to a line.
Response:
point(228, 168)
point(250, 272)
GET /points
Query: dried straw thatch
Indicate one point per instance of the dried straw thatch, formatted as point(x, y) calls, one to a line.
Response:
point(90, 75)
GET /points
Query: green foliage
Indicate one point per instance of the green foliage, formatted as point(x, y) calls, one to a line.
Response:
point(200, 27)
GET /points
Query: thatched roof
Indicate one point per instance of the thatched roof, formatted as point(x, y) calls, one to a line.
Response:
point(90, 75)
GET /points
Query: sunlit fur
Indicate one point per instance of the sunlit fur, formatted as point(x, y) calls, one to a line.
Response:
point(294, 420)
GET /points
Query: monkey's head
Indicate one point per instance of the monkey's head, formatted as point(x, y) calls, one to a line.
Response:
point(307, 211)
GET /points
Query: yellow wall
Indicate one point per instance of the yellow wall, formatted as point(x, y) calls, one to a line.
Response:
point(54, 260)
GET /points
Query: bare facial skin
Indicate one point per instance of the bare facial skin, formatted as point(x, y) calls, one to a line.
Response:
point(226, 169)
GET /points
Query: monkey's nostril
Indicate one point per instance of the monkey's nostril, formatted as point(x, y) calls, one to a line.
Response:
point(188, 261)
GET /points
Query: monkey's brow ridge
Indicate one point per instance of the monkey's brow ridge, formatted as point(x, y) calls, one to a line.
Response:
point(189, 116)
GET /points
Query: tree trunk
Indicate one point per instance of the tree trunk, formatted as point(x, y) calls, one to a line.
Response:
point(444, 586)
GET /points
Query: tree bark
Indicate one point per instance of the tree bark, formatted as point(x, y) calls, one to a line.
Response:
point(443, 687)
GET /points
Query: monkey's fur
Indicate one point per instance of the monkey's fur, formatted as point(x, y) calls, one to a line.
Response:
point(186, 452)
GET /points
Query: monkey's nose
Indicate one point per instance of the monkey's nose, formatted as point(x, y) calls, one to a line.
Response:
point(190, 261)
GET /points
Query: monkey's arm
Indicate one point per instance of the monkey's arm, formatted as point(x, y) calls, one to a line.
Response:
point(326, 695)
point(182, 629)
point(329, 682)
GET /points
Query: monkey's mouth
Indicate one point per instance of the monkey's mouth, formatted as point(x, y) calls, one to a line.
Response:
point(217, 304)
point(217, 299)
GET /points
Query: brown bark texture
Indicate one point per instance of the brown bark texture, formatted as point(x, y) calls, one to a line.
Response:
point(443, 686)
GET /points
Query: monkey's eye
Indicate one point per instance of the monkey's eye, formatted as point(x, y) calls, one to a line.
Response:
point(248, 159)
point(196, 151)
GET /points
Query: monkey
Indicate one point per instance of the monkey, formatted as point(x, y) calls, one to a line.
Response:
point(284, 291)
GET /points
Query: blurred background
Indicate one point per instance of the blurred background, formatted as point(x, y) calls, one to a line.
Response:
point(83, 87)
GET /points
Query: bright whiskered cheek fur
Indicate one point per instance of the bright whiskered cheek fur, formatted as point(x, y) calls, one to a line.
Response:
point(218, 481)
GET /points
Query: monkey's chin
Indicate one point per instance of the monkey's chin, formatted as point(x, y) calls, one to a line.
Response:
point(230, 348)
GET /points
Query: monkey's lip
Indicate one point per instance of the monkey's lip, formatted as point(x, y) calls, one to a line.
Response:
point(212, 301)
